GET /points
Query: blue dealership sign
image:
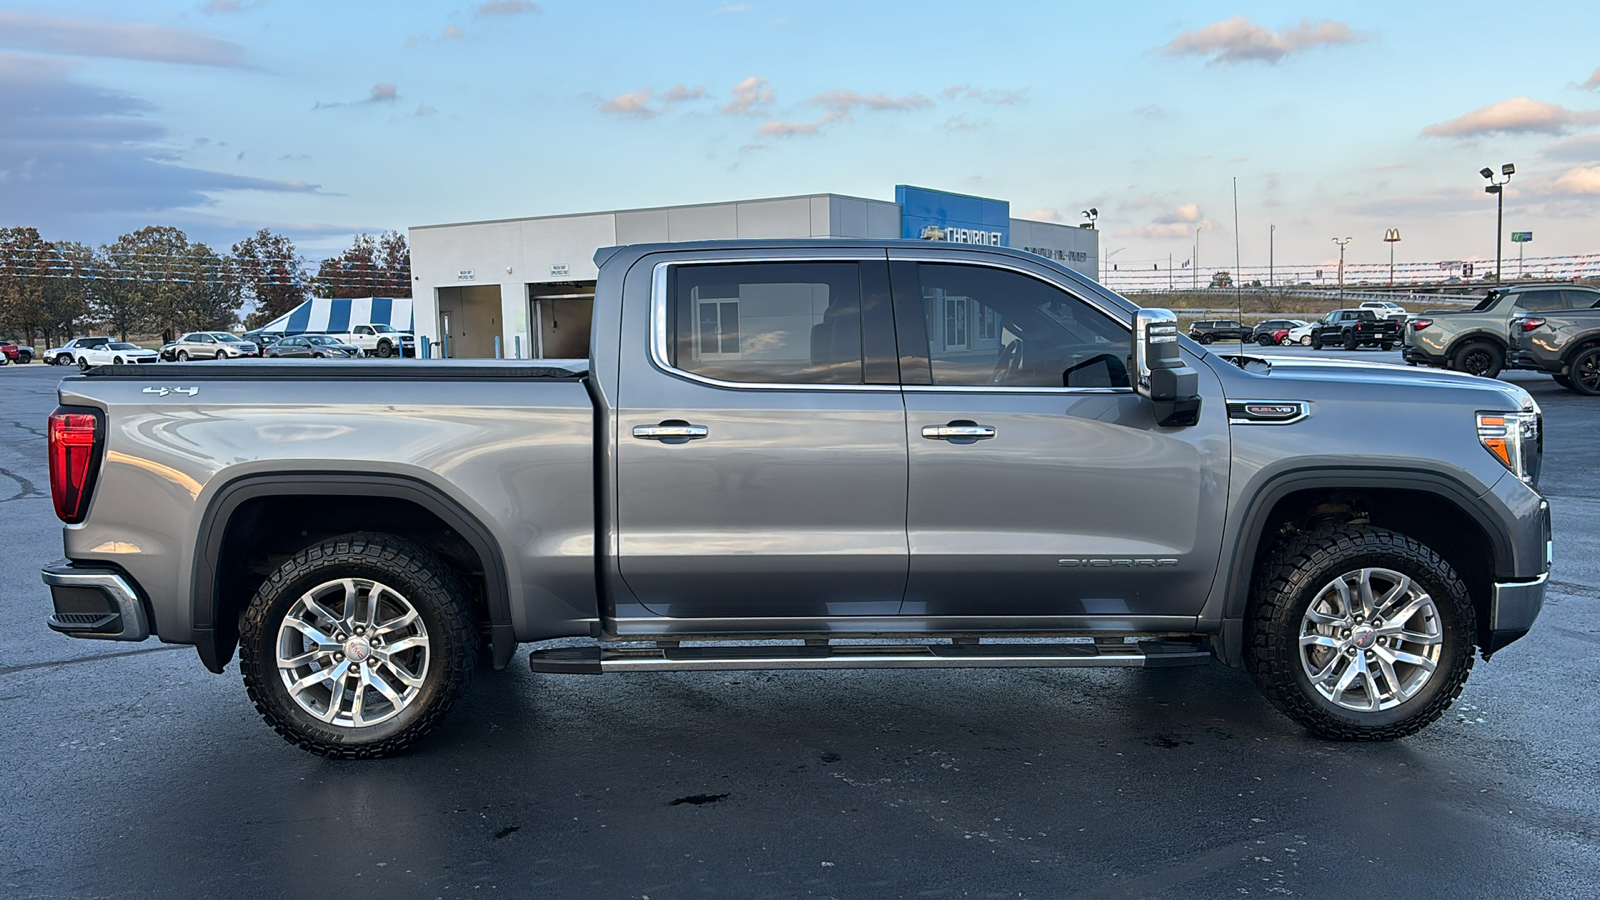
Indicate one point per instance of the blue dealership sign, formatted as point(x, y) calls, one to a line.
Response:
point(959, 218)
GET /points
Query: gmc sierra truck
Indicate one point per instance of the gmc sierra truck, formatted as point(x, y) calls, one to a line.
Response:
point(806, 455)
point(1475, 340)
point(1564, 344)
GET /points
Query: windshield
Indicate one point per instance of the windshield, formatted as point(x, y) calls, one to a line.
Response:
point(121, 346)
point(383, 329)
point(224, 336)
point(321, 339)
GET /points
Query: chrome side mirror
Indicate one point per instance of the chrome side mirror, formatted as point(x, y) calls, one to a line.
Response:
point(1159, 373)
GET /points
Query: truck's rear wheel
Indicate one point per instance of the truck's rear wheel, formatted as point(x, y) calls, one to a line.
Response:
point(356, 647)
point(1478, 358)
point(1350, 341)
point(1358, 633)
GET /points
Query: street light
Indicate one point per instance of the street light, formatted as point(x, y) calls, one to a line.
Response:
point(1091, 214)
point(1495, 188)
point(1341, 264)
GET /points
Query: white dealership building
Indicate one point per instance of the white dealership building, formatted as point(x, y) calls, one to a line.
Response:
point(524, 288)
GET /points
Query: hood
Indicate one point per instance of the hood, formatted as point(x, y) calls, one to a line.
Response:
point(1287, 370)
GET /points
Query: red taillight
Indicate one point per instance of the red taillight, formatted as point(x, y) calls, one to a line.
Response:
point(74, 446)
point(1419, 324)
point(1531, 322)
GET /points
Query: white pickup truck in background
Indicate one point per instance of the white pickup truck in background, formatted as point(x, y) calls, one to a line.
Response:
point(379, 340)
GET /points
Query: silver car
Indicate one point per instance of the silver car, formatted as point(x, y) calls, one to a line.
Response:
point(211, 345)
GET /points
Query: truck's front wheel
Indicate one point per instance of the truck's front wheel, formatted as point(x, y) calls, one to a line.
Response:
point(385, 349)
point(357, 646)
point(1359, 633)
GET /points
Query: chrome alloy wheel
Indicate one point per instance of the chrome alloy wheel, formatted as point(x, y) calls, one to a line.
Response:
point(1370, 640)
point(353, 652)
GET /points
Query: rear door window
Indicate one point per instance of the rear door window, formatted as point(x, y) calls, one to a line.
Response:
point(1541, 301)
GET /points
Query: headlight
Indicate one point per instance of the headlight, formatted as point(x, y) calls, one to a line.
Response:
point(1516, 439)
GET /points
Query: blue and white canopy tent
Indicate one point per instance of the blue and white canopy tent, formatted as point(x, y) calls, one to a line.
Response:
point(324, 315)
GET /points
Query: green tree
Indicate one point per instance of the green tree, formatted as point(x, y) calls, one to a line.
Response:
point(202, 294)
point(272, 275)
point(371, 267)
point(142, 272)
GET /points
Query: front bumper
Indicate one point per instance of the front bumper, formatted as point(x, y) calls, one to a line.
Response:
point(98, 602)
point(1513, 605)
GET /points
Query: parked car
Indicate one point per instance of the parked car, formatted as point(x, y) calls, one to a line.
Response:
point(382, 341)
point(314, 346)
point(1564, 343)
point(211, 345)
point(1386, 309)
point(1076, 470)
point(1272, 331)
point(1352, 328)
point(15, 353)
point(1209, 330)
point(1300, 334)
point(1476, 340)
point(67, 354)
point(115, 353)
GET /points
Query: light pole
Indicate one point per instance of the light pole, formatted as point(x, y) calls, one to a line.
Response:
point(1091, 214)
point(1341, 264)
point(1391, 236)
point(1272, 233)
point(1196, 277)
point(1496, 188)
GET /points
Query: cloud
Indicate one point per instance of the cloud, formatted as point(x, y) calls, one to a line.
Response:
point(641, 104)
point(1043, 214)
point(151, 43)
point(794, 128)
point(1581, 180)
point(1519, 115)
point(505, 8)
point(423, 111)
point(231, 6)
point(75, 157)
point(1580, 148)
point(1239, 40)
point(750, 97)
point(961, 123)
point(1593, 84)
point(1153, 111)
point(997, 97)
point(1181, 221)
point(383, 92)
point(842, 102)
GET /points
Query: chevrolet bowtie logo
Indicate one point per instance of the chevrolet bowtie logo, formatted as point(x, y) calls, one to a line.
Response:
point(164, 391)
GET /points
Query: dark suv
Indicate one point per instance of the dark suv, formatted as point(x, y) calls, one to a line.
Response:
point(1210, 330)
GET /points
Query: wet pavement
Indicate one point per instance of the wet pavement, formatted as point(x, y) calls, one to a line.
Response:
point(131, 771)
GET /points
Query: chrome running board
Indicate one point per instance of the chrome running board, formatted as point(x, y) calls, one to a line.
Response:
point(668, 657)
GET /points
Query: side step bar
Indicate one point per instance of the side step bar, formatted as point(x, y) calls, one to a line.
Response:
point(669, 658)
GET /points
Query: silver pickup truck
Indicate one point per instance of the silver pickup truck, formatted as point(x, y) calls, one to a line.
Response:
point(807, 454)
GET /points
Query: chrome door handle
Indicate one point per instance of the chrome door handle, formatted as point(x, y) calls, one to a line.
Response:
point(961, 433)
point(671, 432)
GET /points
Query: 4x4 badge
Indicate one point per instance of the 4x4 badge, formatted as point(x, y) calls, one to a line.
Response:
point(164, 391)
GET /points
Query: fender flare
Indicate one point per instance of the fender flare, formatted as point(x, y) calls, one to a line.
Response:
point(216, 640)
point(1247, 536)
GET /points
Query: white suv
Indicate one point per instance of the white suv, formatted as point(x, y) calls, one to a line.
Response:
point(1384, 309)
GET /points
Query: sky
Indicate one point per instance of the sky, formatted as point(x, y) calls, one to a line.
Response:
point(321, 120)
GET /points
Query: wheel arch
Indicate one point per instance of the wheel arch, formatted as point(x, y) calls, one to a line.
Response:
point(1488, 337)
point(1433, 508)
point(1587, 342)
point(238, 527)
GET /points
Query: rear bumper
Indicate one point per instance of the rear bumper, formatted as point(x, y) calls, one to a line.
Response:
point(1411, 354)
point(97, 602)
point(1526, 359)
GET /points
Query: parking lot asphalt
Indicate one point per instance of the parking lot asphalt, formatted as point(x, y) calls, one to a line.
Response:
point(131, 771)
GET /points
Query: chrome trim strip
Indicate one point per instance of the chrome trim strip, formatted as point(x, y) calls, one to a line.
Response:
point(1305, 412)
point(1001, 389)
point(643, 627)
point(134, 625)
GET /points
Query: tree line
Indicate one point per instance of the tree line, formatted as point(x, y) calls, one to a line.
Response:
point(155, 280)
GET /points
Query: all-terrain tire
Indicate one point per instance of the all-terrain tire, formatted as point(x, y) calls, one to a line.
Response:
point(1478, 358)
point(422, 580)
point(1296, 571)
